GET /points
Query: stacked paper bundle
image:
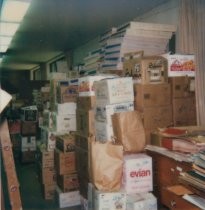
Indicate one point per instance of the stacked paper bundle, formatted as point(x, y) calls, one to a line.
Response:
point(92, 61)
point(152, 38)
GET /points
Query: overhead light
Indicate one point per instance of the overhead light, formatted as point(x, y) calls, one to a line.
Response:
point(14, 10)
point(8, 29)
point(5, 40)
point(3, 48)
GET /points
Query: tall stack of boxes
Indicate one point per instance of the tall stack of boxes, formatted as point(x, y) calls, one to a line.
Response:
point(67, 178)
point(115, 96)
point(152, 90)
point(29, 123)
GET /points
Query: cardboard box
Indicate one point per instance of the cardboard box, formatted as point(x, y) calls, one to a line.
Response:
point(67, 93)
point(28, 156)
point(85, 122)
point(58, 76)
point(141, 202)
point(45, 158)
point(109, 200)
point(137, 173)
point(47, 175)
point(103, 131)
point(28, 128)
point(181, 86)
point(115, 90)
point(66, 108)
point(86, 102)
point(67, 199)
point(184, 111)
point(29, 113)
point(103, 113)
point(86, 83)
point(145, 69)
point(14, 126)
point(66, 143)
point(64, 162)
point(152, 95)
point(64, 123)
point(28, 143)
point(180, 65)
point(68, 182)
point(48, 191)
point(157, 117)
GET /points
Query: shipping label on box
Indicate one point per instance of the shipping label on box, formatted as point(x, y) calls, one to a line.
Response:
point(104, 113)
point(181, 65)
point(28, 143)
point(110, 200)
point(65, 143)
point(68, 199)
point(103, 131)
point(66, 108)
point(141, 202)
point(137, 173)
point(113, 91)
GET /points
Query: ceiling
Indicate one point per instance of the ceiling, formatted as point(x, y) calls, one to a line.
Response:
point(52, 27)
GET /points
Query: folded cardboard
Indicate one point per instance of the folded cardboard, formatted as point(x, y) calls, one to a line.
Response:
point(137, 173)
point(67, 199)
point(103, 113)
point(114, 90)
point(64, 162)
point(151, 95)
point(66, 142)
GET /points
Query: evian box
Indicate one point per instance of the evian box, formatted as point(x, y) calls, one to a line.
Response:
point(115, 90)
point(137, 173)
point(109, 200)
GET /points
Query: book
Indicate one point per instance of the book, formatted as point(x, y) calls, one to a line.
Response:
point(196, 200)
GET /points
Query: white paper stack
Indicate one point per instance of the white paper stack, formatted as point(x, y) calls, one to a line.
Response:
point(152, 38)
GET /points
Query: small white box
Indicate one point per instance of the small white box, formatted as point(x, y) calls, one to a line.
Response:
point(28, 143)
point(103, 131)
point(64, 123)
point(66, 108)
point(68, 199)
point(180, 65)
point(86, 84)
point(137, 173)
point(103, 113)
point(114, 91)
point(110, 200)
point(141, 202)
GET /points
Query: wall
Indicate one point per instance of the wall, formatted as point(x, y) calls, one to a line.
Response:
point(167, 13)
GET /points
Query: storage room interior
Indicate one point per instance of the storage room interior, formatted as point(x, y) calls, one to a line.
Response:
point(102, 104)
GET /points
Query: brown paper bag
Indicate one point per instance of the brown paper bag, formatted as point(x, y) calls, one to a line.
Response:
point(106, 165)
point(129, 131)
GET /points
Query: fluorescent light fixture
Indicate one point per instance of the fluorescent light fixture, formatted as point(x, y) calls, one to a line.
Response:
point(8, 29)
point(3, 48)
point(5, 40)
point(14, 10)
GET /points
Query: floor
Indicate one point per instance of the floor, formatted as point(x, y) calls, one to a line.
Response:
point(30, 188)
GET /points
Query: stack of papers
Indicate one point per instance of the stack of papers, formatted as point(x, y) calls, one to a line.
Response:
point(152, 38)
